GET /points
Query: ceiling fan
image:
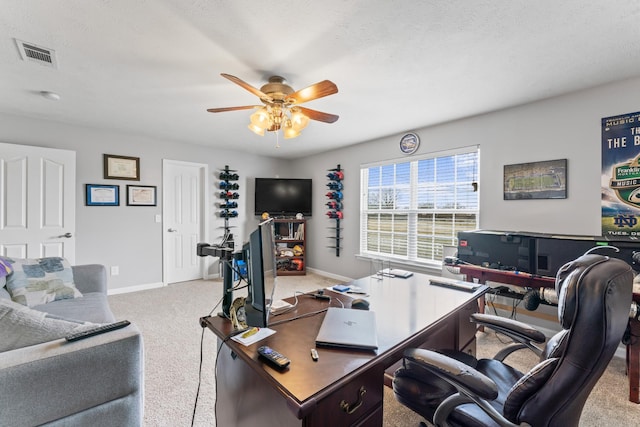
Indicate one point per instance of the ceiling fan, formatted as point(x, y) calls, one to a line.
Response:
point(281, 109)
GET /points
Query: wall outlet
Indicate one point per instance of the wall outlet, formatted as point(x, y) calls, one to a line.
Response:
point(158, 218)
point(115, 270)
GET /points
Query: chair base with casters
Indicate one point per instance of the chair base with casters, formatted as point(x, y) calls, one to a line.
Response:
point(450, 388)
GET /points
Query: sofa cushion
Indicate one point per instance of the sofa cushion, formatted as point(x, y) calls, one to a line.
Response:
point(4, 294)
point(92, 307)
point(21, 326)
point(39, 281)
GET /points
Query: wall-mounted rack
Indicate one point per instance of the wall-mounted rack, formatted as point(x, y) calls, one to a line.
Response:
point(335, 204)
point(228, 196)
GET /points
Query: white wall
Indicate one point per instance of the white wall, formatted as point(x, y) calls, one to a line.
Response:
point(128, 236)
point(562, 127)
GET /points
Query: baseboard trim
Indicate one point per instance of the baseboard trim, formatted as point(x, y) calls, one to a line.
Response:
point(329, 275)
point(128, 289)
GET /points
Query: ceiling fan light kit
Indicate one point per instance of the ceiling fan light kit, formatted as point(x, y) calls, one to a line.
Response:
point(280, 110)
point(272, 119)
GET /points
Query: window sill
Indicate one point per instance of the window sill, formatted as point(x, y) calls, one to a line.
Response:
point(432, 268)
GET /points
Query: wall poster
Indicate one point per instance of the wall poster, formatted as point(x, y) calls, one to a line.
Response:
point(621, 177)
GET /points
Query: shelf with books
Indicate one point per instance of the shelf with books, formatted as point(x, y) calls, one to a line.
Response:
point(291, 244)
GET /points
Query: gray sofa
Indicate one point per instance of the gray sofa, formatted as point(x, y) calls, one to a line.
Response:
point(97, 381)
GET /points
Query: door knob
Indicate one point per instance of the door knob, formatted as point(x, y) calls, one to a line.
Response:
point(66, 235)
point(172, 230)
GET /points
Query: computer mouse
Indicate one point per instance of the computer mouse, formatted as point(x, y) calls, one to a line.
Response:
point(360, 304)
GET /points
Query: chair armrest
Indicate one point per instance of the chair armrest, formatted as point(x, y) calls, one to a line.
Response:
point(523, 334)
point(90, 278)
point(66, 378)
point(458, 374)
point(473, 386)
point(509, 327)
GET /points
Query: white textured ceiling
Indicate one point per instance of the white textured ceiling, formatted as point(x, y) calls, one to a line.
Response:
point(153, 67)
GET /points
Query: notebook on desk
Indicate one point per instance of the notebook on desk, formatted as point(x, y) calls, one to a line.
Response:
point(395, 272)
point(348, 328)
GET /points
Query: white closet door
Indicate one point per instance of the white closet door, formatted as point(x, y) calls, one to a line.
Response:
point(183, 227)
point(37, 202)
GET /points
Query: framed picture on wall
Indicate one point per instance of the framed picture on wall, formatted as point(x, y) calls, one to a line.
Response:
point(102, 195)
point(121, 167)
point(537, 180)
point(141, 195)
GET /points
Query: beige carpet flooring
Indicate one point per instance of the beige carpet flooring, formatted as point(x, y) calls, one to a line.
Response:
point(168, 318)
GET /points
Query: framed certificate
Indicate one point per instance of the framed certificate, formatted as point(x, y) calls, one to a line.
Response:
point(141, 195)
point(121, 167)
point(102, 195)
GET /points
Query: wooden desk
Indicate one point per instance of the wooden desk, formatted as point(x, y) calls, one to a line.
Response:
point(482, 274)
point(344, 387)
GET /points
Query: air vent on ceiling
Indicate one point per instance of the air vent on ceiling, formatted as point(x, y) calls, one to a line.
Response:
point(39, 54)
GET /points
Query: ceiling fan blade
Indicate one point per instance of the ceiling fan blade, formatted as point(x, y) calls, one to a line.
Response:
point(247, 86)
point(318, 90)
point(221, 110)
point(318, 115)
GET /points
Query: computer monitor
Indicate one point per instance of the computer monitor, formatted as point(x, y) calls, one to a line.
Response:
point(496, 249)
point(260, 254)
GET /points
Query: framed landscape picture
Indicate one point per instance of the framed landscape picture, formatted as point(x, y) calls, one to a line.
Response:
point(537, 180)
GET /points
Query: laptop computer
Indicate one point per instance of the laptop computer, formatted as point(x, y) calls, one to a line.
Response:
point(348, 328)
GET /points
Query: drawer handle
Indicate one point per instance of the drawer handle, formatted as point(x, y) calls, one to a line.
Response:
point(350, 408)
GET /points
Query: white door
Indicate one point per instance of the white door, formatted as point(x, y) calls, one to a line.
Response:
point(183, 227)
point(37, 202)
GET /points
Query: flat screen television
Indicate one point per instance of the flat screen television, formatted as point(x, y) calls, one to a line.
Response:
point(283, 196)
point(260, 255)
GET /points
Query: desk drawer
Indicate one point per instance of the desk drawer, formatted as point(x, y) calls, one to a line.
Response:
point(351, 404)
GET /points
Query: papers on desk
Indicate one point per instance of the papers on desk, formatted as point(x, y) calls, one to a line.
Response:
point(261, 334)
point(280, 306)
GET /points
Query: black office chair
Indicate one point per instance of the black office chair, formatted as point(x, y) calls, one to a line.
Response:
point(454, 389)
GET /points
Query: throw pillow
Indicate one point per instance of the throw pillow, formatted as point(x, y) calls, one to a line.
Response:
point(21, 326)
point(39, 281)
point(5, 270)
point(5, 267)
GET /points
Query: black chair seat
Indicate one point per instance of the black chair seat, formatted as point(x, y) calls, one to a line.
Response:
point(423, 393)
point(594, 293)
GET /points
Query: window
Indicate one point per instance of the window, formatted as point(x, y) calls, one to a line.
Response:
point(411, 209)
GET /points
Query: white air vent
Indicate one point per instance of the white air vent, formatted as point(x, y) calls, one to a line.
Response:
point(39, 54)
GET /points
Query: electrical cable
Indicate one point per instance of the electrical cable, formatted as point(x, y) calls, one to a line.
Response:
point(302, 316)
point(215, 370)
point(195, 403)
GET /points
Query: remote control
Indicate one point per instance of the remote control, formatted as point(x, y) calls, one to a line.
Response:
point(98, 330)
point(275, 358)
